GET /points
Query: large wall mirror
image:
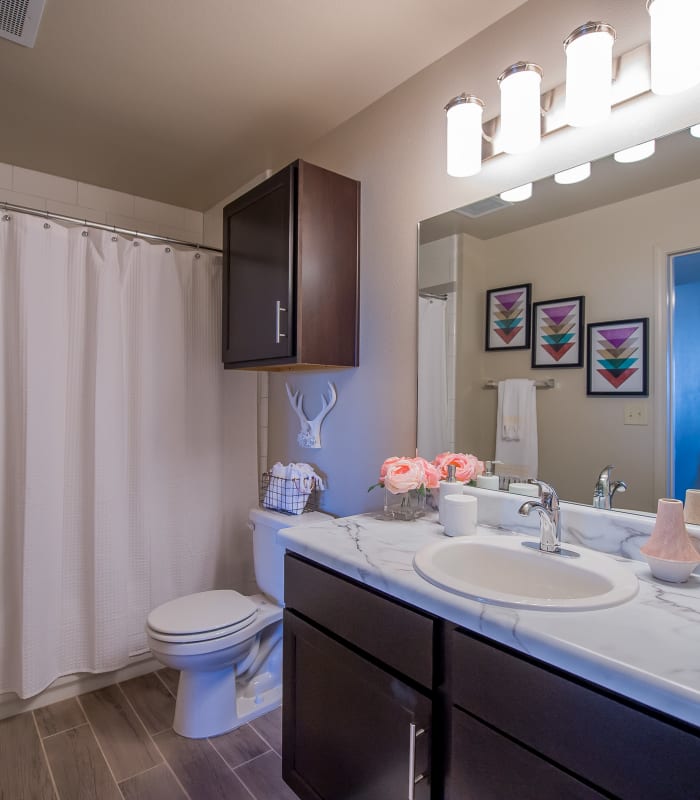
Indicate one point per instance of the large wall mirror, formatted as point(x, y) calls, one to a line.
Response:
point(627, 239)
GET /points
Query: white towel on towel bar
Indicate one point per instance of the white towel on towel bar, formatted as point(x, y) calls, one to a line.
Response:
point(516, 424)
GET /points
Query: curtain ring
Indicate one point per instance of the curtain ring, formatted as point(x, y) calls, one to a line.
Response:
point(197, 255)
point(46, 226)
point(167, 250)
point(6, 217)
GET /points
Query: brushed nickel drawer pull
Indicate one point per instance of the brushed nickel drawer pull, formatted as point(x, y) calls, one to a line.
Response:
point(413, 779)
point(278, 309)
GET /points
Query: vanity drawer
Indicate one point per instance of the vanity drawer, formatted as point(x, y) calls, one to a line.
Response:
point(396, 635)
point(611, 742)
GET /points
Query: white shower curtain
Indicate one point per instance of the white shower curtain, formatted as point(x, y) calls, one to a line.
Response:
point(111, 443)
point(433, 428)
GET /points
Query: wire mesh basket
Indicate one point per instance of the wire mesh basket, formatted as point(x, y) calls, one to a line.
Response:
point(288, 495)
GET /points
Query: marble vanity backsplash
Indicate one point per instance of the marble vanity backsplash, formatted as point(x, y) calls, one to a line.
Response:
point(613, 532)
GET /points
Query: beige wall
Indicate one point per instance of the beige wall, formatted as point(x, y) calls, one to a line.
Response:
point(396, 148)
point(610, 255)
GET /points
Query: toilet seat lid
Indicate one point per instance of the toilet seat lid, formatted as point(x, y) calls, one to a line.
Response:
point(203, 612)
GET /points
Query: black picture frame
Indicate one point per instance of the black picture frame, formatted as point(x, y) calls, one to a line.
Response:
point(558, 333)
point(508, 317)
point(618, 358)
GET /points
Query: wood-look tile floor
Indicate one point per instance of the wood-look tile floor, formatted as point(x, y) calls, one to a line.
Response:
point(118, 744)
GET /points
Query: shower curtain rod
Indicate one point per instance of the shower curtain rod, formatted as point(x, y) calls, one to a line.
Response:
point(37, 212)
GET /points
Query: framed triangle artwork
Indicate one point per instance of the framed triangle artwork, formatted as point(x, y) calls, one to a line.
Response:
point(508, 318)
point(557, 333)
point(618, 358)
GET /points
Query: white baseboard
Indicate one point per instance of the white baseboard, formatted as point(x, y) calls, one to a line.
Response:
point(73, 685)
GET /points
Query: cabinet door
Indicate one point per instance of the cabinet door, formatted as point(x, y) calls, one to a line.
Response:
point(487, 766)
point(348, 723)
point(258, 296)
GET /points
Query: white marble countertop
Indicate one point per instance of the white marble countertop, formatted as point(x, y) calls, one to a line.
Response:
point(647, 649)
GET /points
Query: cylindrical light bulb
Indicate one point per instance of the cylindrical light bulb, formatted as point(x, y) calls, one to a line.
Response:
point(574, 175)
point(518, 194)
point(637, 153)
point(520, 107)
point(589, 73)
point(695, 131)
point(464, 117)
point(675, 55)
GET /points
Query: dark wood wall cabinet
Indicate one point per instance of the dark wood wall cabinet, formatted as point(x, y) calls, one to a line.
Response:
point(291, 272)
point(384, 701)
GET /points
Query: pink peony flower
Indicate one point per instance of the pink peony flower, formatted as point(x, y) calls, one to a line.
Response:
point(386, 465)
point(431, 474)
point(468, 466)
point(403, 475)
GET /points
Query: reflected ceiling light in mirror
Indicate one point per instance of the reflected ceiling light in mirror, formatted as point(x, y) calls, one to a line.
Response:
point(521, 116)
point(589, 73)
point(637, 153)
point(695, 131)
point(464, 116)
point(675, 55)
point(518, 194)
point(574, 175)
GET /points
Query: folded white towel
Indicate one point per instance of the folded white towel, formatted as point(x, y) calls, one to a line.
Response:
point(290, 486)
point(523, 450)
point(513, 401)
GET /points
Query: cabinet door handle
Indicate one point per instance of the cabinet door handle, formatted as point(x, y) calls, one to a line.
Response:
point(413, 779)
point(278, 310)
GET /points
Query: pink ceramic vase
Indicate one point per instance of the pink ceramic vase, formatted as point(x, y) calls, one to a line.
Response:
point(670, 540)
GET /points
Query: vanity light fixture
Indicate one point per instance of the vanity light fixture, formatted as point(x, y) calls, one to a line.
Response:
point(518, 194)
point(695, 131)
point(637, 153)
point(574, 175)
point(464, 115)
point(521, 116)
point(675, 55)
point(589, 73)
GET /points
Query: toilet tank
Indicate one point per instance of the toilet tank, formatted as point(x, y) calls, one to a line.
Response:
point(268, 555)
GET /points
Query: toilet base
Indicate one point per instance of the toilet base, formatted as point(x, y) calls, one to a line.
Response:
point(210, 703)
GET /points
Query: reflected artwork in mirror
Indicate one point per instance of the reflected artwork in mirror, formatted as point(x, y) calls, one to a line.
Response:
point(610, 242)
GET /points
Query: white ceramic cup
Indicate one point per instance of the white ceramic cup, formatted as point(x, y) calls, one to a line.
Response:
point(692, 506)
point(458, 513)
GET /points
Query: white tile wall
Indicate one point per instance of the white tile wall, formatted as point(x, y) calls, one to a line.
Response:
point(49, 186)
point(5, 176)
point(27, 187)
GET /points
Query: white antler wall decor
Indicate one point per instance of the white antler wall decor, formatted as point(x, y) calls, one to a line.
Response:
point(310, 434)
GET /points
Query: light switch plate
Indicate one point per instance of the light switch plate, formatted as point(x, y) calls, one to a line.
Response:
point(636, 414)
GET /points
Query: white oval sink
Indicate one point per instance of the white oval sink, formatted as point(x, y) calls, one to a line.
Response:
point(498, 569)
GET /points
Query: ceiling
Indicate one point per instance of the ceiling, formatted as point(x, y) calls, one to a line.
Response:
point(184, 102)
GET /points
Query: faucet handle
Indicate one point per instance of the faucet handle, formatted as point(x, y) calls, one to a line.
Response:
point(548, 494)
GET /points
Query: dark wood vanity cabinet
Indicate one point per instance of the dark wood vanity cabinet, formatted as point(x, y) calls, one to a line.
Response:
point(355, 727)
point(561, 728)
point(290, 273)
point(361, 668)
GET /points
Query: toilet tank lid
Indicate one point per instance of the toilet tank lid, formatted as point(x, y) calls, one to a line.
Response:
point(202, 612)
point(276, 519)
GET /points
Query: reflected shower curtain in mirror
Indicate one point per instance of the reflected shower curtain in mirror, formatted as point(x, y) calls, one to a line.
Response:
point(111, 445)
point(433, 428)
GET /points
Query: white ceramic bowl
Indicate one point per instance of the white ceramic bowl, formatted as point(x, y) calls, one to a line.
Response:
point(672, 571)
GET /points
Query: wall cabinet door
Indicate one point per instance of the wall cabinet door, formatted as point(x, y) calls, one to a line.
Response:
point(258, 309)
point(291, 271)
point(487, 766)
point(348, 724)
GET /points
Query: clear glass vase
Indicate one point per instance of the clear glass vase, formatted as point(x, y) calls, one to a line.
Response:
point(405, 506)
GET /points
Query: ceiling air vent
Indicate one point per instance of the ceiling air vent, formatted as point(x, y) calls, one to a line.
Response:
point(19, 20)
point(483, 207)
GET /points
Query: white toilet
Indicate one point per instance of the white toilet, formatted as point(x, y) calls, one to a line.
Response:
point(228, 647)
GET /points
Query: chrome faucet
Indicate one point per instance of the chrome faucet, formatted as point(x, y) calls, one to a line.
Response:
point(605, 488)
point(550, 520)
